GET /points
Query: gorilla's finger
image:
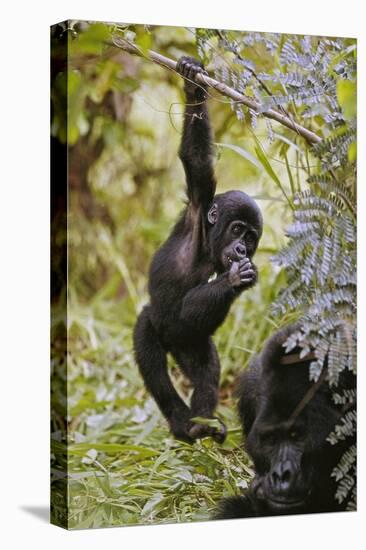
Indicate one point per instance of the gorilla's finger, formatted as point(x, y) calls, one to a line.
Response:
point(247, 273)
point(247, 279)
point(245, 261)
point(245, 267)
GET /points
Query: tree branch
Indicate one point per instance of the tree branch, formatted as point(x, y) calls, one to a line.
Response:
point(223, 89)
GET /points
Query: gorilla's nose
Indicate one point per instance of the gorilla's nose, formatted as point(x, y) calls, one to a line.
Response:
point(240, 250)
point(282, 476)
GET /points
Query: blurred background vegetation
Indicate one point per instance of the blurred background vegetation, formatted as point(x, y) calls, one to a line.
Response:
point(126, 188)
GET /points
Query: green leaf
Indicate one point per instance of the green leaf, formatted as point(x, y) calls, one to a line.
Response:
point(80, 449)
point(346, 93)
point(290, 176)
point(352, 152)
point(152, 503)
point(92, 40)
point(288, 142)
point(144, 41)
point(242, 152)
point(268, 168)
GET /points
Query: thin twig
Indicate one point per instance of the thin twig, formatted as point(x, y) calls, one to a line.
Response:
point(307, 397)
point(223, 89)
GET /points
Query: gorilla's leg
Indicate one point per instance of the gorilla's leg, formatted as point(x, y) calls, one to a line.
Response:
point(151, 359)
point(202, 366)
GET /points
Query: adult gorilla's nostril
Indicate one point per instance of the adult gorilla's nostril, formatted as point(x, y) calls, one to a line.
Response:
point(282, 476)
point(240, 250)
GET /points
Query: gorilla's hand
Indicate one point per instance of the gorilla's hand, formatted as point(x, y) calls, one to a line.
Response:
point(189, 67)
point(248, 273)
point(242, 274)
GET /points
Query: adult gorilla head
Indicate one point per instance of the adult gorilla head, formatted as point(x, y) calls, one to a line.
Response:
point(288, 444)
point(235, 226)
point(286, 419)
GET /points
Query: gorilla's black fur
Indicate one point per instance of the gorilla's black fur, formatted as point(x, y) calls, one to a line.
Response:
point(215, 235)
point(286, 421)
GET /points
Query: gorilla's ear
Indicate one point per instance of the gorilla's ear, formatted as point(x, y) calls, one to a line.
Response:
point(213, 214)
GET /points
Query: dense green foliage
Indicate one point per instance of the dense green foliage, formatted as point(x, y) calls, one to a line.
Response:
point(126, 188)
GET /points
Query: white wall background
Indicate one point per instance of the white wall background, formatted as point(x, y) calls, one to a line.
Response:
point(24, 285)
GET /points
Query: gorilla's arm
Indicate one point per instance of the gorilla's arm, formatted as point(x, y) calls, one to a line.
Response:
point(237, 507)
point(196, 146)
point(207, 305)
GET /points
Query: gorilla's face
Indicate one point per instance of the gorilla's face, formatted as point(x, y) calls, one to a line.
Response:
point(290, 457)
point(239, 240)
point(235, 227)
point(278, 450)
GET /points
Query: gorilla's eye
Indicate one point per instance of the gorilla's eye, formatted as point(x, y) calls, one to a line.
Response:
point(267, 436)
point(237, 229)
point(268, 439)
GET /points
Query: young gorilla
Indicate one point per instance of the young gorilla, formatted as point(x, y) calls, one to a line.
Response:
point(286, 441)
point(216, 234)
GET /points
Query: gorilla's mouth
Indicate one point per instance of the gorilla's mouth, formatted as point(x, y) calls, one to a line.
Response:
point(285, 503)
point(288, 502)
point(227, 261)
point(280, 503)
